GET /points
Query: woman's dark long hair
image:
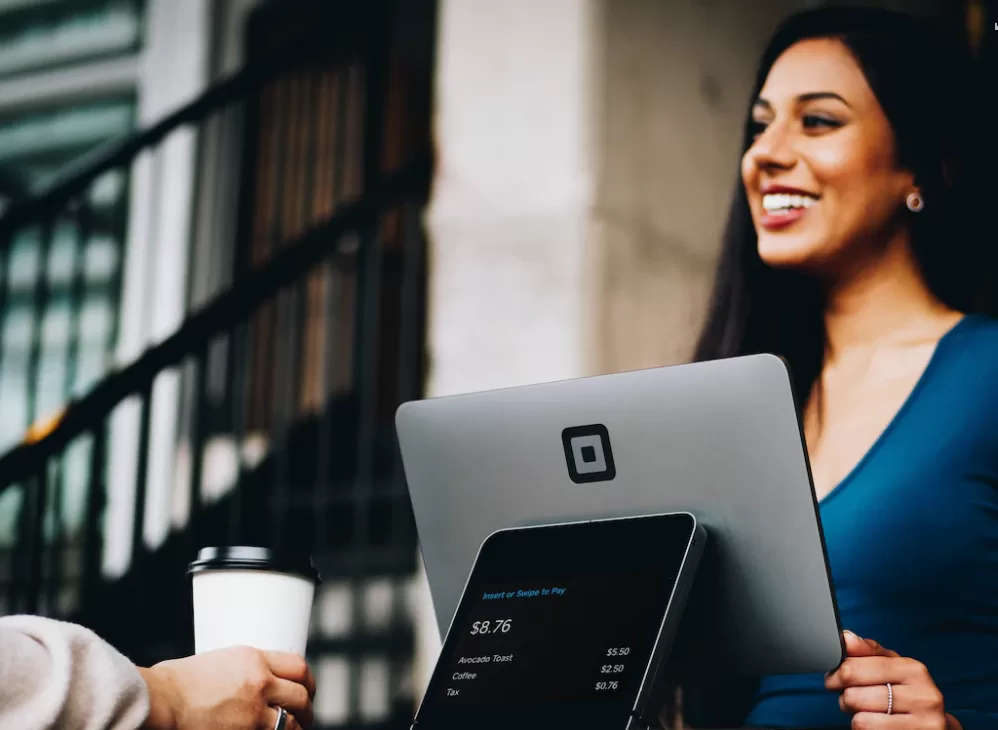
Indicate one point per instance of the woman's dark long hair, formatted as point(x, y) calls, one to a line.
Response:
point(928, 88)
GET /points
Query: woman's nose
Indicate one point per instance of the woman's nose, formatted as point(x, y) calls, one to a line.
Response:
point(772, 149)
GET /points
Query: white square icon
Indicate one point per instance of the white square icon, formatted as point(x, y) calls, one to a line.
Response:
point(588, 454)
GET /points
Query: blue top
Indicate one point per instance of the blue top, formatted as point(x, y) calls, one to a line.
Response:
point(912, 540)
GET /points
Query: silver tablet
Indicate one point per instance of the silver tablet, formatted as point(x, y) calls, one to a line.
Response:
point(718, 439)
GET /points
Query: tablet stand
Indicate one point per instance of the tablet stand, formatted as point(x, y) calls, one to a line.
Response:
point(618, 626)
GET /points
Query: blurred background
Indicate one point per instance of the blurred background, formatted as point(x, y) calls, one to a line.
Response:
point(236, 234)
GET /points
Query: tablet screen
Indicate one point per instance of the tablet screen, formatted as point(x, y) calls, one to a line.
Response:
point(557, 624)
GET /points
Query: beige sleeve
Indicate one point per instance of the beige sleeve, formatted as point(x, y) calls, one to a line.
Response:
point(60, 675)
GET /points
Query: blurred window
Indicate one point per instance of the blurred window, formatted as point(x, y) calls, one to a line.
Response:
point(56, 345)
point(69, 83)
point(40, 34)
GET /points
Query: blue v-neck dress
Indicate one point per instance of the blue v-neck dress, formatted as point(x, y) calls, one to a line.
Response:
point(912, 538)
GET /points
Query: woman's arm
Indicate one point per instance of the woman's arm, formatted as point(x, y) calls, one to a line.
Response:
point(60, 675)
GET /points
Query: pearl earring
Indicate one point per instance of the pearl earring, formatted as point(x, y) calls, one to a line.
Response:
point(914, 202)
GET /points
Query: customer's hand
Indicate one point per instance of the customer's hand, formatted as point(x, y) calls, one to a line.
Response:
point(230, 689)
point(862, 681)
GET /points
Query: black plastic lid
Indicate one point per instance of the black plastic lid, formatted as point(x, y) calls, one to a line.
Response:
point(239, 557)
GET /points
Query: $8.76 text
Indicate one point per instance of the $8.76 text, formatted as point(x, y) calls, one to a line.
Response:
point(499, 626)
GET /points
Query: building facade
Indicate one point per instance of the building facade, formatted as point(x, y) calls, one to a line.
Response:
point(585, 153)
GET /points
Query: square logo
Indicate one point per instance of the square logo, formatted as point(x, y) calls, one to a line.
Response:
point(588, 454)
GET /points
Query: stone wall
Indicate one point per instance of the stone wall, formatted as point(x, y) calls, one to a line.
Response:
point(676, 80)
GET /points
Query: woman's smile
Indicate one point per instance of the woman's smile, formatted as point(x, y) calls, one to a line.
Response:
point(784, 206)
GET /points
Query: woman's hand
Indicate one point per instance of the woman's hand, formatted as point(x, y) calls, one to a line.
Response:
point(230, 689)
point(862, 681)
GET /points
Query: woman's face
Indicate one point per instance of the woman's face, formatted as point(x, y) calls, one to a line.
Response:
point(820, 176)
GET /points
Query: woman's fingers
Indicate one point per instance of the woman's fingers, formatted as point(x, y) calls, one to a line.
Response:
point(270, 720)
point(907, 699)
point(913, 697)
point(291, 666)
point(293, 697)
point(293, 687)
point(858, 646)
point(875, 699)
point(873, 670)
point(880, 721)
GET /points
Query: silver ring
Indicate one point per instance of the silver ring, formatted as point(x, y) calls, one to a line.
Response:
point(890, 699)
point(282, 718)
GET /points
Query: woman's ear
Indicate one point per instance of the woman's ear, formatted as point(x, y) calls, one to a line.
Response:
point(906, 184)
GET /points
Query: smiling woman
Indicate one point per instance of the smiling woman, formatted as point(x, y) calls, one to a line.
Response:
point(828, 154)
point(860, 248)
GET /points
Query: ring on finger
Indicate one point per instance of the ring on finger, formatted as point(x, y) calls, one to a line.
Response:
point(875, 698)
point(890, 699)
point(282, 719)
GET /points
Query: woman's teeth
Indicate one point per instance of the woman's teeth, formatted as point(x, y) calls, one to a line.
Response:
point(782, 201)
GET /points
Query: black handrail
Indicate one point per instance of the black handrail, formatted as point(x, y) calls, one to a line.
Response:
point(78, 175)
point(327, 310)
point(215, 318)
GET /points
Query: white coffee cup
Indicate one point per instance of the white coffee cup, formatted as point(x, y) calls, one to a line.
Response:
point(252, 596)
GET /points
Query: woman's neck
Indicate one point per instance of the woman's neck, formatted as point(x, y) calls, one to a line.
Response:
point(884, 303)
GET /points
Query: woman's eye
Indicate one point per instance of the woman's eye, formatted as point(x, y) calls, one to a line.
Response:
point(756, 128)
point(815, 121)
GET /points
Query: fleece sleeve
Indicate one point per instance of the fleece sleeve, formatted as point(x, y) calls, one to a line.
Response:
point(60, 675)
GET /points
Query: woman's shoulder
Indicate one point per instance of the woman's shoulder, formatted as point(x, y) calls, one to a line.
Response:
point(967, 360)
point(975, 339)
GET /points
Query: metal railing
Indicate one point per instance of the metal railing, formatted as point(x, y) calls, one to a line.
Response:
point(291, 373)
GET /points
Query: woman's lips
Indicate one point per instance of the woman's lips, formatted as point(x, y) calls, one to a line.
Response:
point(777, 219)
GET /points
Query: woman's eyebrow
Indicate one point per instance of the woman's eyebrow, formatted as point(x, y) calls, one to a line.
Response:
point(809, 96)
point(816, 95)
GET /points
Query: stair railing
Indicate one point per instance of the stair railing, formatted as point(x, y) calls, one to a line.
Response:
point(351, 234)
